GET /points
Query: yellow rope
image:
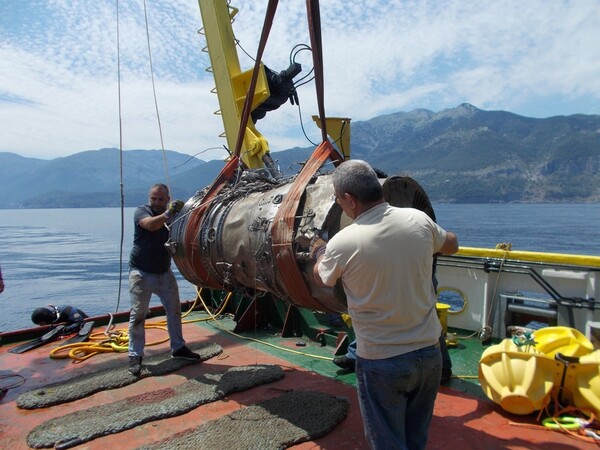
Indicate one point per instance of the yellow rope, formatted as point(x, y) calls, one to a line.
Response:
point(571, 420)
point(289, 350)
point(116, 342)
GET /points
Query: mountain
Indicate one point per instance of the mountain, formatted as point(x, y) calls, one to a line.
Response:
point(90, 178)
point(468, 155)
point(462, 155)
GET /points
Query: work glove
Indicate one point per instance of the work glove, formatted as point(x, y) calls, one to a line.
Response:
point(316, 247)
point(174, 207)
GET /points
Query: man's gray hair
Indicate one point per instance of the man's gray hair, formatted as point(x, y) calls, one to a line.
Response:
point(161, 186)
point(357, 177)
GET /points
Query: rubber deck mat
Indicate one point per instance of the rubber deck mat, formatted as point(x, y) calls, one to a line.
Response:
point(112, 378)
point(280, 422)
point(82, 426)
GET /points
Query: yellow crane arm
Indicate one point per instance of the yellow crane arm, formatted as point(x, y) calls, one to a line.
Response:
point(231, 83)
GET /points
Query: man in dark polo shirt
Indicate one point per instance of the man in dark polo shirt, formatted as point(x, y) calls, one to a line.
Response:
point(150, 273)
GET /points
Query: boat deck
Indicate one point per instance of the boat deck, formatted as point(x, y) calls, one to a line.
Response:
point(463, 416)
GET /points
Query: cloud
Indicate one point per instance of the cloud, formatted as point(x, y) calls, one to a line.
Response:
point(59, 90)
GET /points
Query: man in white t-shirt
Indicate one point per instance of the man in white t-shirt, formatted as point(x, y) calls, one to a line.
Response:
point(385, 259)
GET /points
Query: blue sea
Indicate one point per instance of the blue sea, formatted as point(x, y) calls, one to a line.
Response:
point(73, 256)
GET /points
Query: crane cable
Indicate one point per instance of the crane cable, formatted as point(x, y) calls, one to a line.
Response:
point(162, 145)
point(120, 164)
point(120, 114)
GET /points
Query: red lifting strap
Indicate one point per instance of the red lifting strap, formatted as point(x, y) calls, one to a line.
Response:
point(191, 243)
point(314, 29)
point(282, 231)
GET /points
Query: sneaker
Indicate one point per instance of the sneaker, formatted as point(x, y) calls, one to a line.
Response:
point(344, 362)
point(135, 365)
point(185, 353)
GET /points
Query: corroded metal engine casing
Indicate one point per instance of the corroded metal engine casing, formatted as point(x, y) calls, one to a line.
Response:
point(228, 245)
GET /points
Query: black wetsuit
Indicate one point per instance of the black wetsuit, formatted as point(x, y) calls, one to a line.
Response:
point(68, 314)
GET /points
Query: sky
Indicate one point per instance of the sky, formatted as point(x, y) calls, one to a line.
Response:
point(67, 84)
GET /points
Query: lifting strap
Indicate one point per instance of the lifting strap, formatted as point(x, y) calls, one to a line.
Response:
point(314, 29)
point(282, 231)
point(191, 243)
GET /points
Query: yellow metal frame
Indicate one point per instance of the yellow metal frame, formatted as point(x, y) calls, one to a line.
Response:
point(231, 83)
point(338, 129)
point(558, 258)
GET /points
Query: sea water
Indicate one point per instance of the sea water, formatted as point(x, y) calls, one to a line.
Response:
point(79, 256)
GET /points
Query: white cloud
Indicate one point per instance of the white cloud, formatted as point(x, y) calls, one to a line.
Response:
point(58, 79)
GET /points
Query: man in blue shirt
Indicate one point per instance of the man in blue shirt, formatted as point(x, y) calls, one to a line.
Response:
point(150, 273)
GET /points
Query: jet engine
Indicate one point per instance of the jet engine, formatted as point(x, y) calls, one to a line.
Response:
point(229, 244)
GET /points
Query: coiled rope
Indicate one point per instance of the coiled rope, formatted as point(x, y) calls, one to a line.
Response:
point(117, 341)
point(576, 422)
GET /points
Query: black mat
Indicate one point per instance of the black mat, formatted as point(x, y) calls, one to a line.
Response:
point(82, 426)
point(86, 385)
point(281, 422)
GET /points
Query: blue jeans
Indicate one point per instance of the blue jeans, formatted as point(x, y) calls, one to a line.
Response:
point(351, 351)
point(141, 287)
point(396, 397)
